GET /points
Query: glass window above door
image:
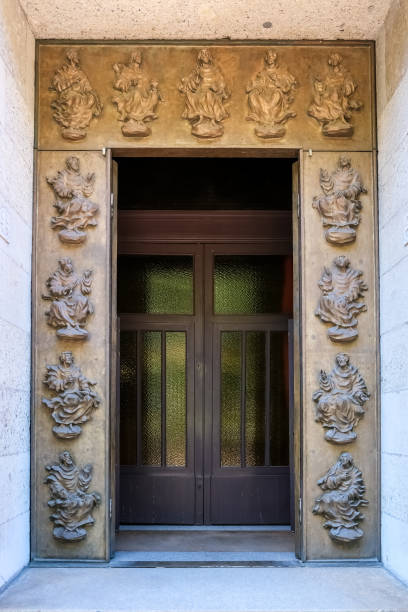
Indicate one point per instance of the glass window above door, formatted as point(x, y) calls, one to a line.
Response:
point(155, 284)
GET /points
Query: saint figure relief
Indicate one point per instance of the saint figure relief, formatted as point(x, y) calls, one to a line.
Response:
point(71, 504)
point(74, 400)
point(75, 210)
point(340, 400)
point(332, 104)
point(70, 306)
point(138, 96)
point(270, 95)
point(339, 304)
point(339, 206)
point(76, 102)
point(205, 92)
point(343, 489)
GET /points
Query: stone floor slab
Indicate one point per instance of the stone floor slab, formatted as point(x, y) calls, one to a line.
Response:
point(306, 589)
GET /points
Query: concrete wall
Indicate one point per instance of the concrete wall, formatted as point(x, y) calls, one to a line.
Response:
point(392, 82)
point(16, 172)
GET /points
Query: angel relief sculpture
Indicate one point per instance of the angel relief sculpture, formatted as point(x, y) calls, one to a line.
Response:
point(340, 400)
point(332, 104)
point(138, 96)
point(343, 489)
point(70, 501)
point(74, 400)
point(76, 211)
point(205, 92)
point(76, 102)
point(339, 206)
point(270, 95)
point(341, 288)
point(70, 306)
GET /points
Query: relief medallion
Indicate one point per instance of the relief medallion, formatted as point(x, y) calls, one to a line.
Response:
point(343, 489)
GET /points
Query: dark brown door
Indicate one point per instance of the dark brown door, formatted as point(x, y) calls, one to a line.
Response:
point(204, 392)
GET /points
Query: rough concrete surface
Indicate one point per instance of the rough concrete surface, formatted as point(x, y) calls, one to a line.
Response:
point(176, 19)
point(206, 589)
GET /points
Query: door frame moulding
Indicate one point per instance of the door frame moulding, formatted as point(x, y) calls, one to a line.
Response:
point(295, 444)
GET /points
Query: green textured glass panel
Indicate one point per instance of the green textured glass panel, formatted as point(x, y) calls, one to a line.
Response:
point(255, 398)
point(279, 393)
point(249, 284)
point(151, 398)
point(128, 397)
point(176, 395)
point(155, 284)
point(231, 398)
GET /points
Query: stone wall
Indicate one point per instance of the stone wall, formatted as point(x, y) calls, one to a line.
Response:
point(392, 83)
point(16, 172)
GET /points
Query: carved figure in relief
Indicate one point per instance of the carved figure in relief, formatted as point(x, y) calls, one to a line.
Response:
point(138, 96)
point(70, 306)
point(76, 102)
point(270, 94)
point(340, 207)
point(340, 400)
point(70, 501)
point(341, 288)
point(343, 489)
point(332, 102)
point(75, 400)
point(205, 92)
point(76, 210)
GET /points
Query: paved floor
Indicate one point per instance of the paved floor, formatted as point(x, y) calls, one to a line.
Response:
point(306, 589)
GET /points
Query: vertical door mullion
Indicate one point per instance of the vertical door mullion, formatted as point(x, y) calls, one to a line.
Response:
point(163, 398)
point(243, 396)
point(139, 348)
point(267, 397)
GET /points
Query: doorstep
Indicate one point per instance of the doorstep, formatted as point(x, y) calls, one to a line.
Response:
point(226, 589)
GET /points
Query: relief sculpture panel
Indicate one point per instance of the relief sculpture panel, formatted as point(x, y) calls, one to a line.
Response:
point(333, 99)
point(343, 494)
point(76, 212)
point(342, 287)
point(271, 93)
point(71, 504)
point(339, 206)
point(340, 400)
point(138, 96)
point(76, 102)
point(74, 400)
point(205, 93)
point(70, 305)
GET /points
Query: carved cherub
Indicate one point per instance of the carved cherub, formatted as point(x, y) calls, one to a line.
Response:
point(72, 505)
point(70, 305)
point(332, 102)
point(341, 288)
point(74, 400)
point(340, 207)
point(138, 96)
point(340, 400)
point(343, 488)
point(205, 92)
point(76, 102)
point(270, 94)
point(76, 211)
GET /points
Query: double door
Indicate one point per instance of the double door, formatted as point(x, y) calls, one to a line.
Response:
point(204, 384)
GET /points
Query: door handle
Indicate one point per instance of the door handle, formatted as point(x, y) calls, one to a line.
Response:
point(199, 482)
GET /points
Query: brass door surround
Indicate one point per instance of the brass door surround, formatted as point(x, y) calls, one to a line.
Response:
point(313, 101)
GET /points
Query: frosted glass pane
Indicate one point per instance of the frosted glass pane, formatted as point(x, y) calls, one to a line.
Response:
point(155, 284)
point(231, 398)
point(128, 397)
point(249, 284)
point(279, 432)
point(151, 398)
point(176, 398)
point(255, 398)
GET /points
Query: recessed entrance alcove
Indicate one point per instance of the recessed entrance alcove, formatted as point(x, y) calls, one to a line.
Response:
point(205, 401)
